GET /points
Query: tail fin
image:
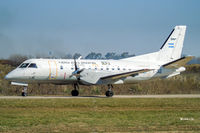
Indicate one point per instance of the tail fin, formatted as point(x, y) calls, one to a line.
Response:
point(172, 48)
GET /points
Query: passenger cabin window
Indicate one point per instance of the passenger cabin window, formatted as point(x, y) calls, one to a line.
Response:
point(32, 65)
point(23, 65)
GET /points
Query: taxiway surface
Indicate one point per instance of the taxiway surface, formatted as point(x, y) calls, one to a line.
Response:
point(101, 96)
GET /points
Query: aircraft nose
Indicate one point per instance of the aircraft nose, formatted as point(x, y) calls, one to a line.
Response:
point(8, 76)
point(11, 75)
point(14, 75)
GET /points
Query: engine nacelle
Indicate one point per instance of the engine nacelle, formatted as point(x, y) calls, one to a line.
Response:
point(177, 72)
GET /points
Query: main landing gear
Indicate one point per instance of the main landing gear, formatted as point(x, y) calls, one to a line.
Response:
point(75, 92)
point(109, 92)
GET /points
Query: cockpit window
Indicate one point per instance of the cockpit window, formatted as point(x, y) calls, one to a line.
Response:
point(23, 65)
point(32, 65)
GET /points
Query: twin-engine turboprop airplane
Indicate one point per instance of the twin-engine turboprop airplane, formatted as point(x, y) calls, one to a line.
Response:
point(165, 63)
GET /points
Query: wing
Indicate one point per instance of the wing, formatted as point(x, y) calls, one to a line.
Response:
point(94, 77)
point(123, 75)
point(178, 63)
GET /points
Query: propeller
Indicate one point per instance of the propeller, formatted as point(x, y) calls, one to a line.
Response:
point(77, 70)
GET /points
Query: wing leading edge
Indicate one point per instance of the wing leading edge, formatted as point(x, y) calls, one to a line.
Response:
point(123, 75)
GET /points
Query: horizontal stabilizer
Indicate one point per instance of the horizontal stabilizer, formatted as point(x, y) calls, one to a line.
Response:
point(123, 75)
point(178, 63)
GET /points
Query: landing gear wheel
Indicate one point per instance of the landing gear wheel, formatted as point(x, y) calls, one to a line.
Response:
point(24, 91)
point(109, 93)
point(74, 92)
point(23, 94)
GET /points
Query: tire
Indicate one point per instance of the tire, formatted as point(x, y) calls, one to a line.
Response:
point(24, 94)
point(109, 93)
point(74, 93)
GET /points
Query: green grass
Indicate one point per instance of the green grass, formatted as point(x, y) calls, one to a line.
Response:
point(99, 114)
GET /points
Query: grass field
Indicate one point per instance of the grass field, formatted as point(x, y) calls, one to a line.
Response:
point(99, 114)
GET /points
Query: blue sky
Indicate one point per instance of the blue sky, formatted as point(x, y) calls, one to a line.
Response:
point(35, 27)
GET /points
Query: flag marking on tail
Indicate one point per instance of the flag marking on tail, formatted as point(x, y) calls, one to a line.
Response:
point(171, 45)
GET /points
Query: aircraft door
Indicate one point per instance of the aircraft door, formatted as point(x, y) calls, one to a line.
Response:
point(53, 69)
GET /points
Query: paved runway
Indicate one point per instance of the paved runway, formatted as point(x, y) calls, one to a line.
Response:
point(101, 96)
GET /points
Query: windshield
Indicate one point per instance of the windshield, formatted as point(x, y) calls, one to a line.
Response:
point(32, 65)
point(23, 65)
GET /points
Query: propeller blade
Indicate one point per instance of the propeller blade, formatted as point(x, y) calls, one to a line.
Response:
point(75, 64)
point(77, 70)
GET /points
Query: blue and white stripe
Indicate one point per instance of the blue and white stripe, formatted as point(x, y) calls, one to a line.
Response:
point(171, 45)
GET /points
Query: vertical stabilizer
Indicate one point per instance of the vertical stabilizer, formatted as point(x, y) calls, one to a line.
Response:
point(172, 47)
point(170, 50)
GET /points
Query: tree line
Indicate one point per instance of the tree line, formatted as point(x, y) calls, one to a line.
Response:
point(94, 55)
point(17, 59)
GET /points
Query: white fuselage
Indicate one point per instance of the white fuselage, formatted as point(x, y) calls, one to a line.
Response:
point(59, 71)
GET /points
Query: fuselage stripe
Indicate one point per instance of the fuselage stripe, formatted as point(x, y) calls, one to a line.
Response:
point(56, 69)
point(49, 70)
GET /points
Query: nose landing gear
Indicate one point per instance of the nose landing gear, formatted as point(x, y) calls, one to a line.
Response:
point(24, 91)
point(109, 92)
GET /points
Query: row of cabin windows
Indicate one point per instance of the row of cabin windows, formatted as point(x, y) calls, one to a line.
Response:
point(61, 67)
point(33, 65)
